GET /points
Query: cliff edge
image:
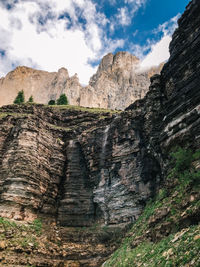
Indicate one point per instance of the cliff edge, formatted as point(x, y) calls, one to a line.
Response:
point(89, 174)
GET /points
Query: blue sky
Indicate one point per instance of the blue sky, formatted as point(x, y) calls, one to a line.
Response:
point(76, 34)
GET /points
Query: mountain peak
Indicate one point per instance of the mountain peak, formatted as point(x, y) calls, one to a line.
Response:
point(115, 85)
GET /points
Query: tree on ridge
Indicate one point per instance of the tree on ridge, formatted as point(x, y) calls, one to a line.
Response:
point(19, 98)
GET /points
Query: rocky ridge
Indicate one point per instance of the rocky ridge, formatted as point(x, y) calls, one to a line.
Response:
point(82, 167)
point(116, 84)
point(42, 85)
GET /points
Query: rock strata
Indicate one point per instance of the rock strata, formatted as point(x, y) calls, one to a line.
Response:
point(42, 85)
point(85, 167)
point(116, 84)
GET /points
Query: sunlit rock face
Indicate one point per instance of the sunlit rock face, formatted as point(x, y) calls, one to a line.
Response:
point(42, 85)
point(117, 83)
point(74, 167)
point(82, 168)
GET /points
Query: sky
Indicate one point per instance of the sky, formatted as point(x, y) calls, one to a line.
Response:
point(76, 34)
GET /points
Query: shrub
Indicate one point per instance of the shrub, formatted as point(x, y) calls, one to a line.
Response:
point(182, 158)
point(62, 100)
point(183, 169)
point(30, 100)
point(51, 102)
point(37, 226)
point(20, 98)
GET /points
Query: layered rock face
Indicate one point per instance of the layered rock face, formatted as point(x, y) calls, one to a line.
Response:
point(116, 84)
point(81, 167)
point(60, 164)
point(42, 85)
point(38, 143)
point(180, 79)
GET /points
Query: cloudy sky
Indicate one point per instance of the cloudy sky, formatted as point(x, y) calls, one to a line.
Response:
point(76, 34)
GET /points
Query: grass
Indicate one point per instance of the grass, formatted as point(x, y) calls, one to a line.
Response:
point(156, 239)
point(55, 127)
point(36, 225)
point(91, 110)
point(16, 115)
point(148, 243)
point(7, 223)
point(29, 241)
point(70, 107)
point(175, 250)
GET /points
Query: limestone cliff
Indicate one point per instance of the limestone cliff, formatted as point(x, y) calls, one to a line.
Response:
point(42, 85)
point(84, 167)
point(116, 84)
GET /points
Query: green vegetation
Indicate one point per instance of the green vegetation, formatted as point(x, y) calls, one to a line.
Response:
point(62, 100)
point(55, 127)
point(29, 241)
point(51, 102)
point(167, 234)
point(16, 115)
point(6, 223)
point(19, 98)
point(90, 110)
point(37, 226)
point(175, 250)
point(30, 100)
point(183, 170)
point(26, 238)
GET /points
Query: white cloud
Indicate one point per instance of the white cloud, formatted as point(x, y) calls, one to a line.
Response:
point(168, 27)
point(135, 5)
point(123, 16)
point(50, 34)
point(126, 13)
point(47, 34)
point(136, 2)
point(159, 51)
point(139, 51)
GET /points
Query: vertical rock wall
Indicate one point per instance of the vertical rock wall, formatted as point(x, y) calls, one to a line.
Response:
point(28, 184)
point(82, 167)
point(116, 84)
point(180, 81)
point(76, 206)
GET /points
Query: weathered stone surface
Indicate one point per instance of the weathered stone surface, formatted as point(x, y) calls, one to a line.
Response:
point(99, 164)
point(180, 80)
point(79, 168)
point(59, 162)
point(35, 160)
point(76, 205)
point(124, 173)
point(55, 246)
point(42, 85)
point(116, 84)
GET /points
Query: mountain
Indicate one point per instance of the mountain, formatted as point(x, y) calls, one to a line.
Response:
point(117, 83)
point(78, 184)
point(42, 85)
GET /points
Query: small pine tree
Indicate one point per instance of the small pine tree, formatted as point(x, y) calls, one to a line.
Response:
point(62, 100)
point(20, 98)
point(51, 102)
point(30, 100)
